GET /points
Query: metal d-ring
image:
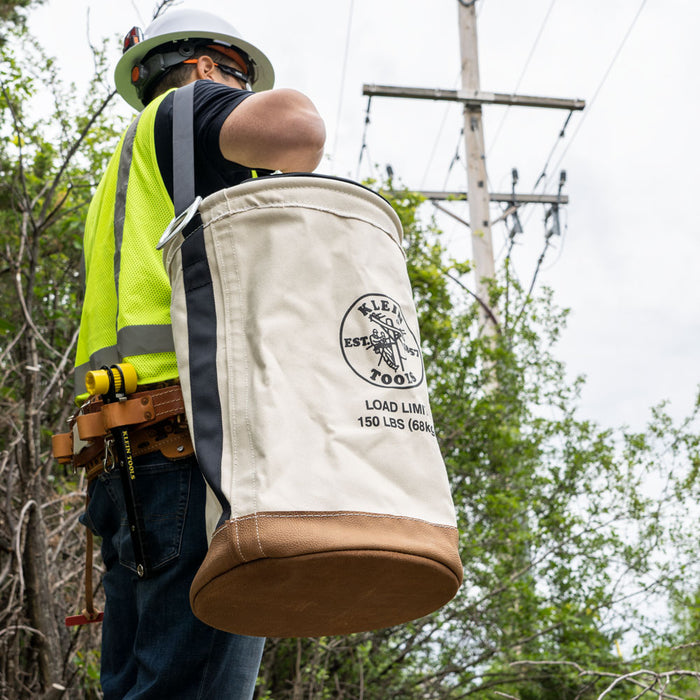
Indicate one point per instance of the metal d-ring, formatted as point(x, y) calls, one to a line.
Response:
point(179, 223)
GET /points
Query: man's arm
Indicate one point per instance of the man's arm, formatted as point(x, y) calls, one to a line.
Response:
point(274, 130)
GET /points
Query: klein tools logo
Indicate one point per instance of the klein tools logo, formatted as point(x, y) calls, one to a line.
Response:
point(378, 344)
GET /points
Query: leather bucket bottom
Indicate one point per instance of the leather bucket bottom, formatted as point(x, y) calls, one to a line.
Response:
point(324, 573)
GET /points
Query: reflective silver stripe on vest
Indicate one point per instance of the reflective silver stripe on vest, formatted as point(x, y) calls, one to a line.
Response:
point(145, 340)
point(120, 202)
point(131, 341)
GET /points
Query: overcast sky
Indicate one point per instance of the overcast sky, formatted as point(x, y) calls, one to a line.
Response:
point(626, 265)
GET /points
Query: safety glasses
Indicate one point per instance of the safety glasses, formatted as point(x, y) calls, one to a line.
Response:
point(227, 70)
point(232, 71)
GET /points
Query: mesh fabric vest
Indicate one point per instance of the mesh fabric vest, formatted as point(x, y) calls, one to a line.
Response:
point(126, 310)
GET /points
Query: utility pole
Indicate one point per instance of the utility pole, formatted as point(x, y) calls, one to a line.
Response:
point(477, 184)
point(472, 97)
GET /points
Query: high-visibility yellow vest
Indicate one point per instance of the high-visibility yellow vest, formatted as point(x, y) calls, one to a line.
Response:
point(126, 310)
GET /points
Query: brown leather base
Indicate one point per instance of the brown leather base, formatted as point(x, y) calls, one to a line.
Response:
point(314, 595)
point(406, 569)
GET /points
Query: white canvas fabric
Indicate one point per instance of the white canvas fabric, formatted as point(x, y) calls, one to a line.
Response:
point(299, 356)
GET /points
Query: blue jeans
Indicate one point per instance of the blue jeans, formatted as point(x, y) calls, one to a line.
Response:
point(152, 645)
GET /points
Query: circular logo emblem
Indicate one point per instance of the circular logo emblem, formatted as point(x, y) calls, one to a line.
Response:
point(378, 345)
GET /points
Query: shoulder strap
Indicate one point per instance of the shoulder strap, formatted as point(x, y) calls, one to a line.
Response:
point(183, 148)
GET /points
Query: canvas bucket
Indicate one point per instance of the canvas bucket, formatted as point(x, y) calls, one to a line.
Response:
point(328, 508)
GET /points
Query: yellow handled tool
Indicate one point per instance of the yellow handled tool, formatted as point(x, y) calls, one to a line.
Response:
point(121, 378)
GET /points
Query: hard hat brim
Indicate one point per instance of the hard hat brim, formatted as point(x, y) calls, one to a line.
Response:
point(265, 74)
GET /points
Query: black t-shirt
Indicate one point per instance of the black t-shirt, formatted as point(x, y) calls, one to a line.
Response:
point(213, 102)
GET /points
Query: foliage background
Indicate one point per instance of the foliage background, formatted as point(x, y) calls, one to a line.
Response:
point(579, 541)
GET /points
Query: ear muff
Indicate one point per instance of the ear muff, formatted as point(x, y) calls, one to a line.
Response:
point(155, 66)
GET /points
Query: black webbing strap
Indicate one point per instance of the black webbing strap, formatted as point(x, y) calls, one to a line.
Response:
point(206, 427)
point(183, 148)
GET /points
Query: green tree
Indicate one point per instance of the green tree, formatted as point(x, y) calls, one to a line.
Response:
point(566, 550)
point(12, 10)
point(54, 141)
point(573, 535)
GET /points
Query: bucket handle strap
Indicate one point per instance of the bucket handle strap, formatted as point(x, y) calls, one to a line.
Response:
point(183, 148)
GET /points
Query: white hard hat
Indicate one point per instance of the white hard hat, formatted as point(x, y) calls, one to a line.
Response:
point(177, 31)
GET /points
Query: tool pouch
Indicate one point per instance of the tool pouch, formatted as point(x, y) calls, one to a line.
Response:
point(329, 509)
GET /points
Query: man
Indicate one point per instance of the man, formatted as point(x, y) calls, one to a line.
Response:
point(152, 646)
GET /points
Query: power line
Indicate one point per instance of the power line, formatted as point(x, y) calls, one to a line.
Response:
point(543, 174)
point(562, 134)
point(438, 137)
point(602, 82)
point(522, 73)
point(507, 110)
point(342, 79)
point(363, 147)
point(455, 157)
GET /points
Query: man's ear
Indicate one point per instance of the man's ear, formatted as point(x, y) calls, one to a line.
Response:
point(204, 68)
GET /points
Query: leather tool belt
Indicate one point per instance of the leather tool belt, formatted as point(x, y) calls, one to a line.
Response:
point(157, 418)
point(157, 421)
